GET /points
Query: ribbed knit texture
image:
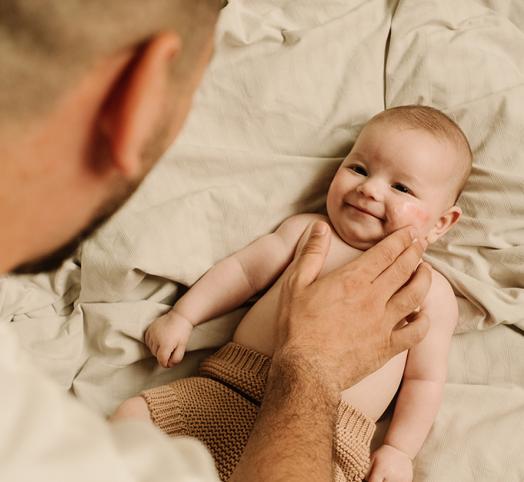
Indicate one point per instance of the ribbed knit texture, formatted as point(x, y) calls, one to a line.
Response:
point(351, 443)
point(220, 406)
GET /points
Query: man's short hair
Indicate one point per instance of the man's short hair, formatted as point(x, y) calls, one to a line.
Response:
point(46, 44)
point(437, 123)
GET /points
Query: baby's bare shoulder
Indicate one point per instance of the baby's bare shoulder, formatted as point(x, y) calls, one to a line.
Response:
point(295, 226)
point(440, 286)
point(303, 220)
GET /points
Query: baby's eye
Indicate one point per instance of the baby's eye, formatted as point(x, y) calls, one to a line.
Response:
point(358, 169)
point(400, 187)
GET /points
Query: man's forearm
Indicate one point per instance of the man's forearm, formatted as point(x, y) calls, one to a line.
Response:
point(293, 435)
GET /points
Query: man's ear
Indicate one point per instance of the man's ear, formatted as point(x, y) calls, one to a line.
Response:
point(444, 223)
point(136, 103)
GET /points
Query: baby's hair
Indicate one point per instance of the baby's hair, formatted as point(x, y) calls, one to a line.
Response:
point(437, 123)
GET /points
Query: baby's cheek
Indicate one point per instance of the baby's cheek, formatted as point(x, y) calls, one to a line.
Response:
point(409, 213)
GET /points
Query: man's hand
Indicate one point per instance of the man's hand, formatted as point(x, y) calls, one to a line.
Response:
point(349, 323)
point(167, 338)
point(331, 332)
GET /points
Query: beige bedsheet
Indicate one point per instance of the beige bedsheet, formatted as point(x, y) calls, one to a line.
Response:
point(289, 87)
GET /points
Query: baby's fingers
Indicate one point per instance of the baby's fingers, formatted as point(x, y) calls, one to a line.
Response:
point(151, 342)
point(153, 346)
point(177, 355)
point(164, 354)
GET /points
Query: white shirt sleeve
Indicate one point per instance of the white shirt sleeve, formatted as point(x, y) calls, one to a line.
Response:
point(47, 435)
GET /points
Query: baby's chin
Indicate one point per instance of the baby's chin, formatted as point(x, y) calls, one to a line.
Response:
point(363, 244)
point(358, 242)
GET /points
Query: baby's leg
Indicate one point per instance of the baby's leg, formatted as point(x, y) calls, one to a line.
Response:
point(373, 394)
point(135, 407)
point(219, 407)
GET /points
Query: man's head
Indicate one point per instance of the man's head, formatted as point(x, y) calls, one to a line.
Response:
point(91, 94)
point(407, 167)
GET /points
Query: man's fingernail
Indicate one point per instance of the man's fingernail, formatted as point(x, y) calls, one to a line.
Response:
point(319, 229)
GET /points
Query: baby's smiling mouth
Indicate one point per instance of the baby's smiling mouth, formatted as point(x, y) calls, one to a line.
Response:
point(364, 211)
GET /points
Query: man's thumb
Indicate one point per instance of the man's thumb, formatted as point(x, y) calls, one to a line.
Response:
point(311, 257)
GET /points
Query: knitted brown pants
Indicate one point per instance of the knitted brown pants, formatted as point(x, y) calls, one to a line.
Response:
point(219, 408)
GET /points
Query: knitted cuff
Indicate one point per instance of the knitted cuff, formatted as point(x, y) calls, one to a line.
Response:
point(165, 410)
point(352, 441)
point(240, 367)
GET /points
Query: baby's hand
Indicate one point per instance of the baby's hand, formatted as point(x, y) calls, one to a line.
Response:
point(167, 338)
point(389, 464)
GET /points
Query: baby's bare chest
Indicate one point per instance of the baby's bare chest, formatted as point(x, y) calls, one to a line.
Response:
point(257, 327)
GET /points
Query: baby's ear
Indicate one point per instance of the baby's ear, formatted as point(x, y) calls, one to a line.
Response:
point(444, 223)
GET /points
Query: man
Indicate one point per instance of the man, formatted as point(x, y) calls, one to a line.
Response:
point(91, 93)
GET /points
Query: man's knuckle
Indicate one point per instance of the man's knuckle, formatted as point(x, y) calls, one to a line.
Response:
point(348, 282)
point(413, 256)
point(389, 253)
point(416, 295)
point(294, 279)
point(311, 249)
point(397, 275)
point(406, 264)
point(411, 300)
point(403, 308)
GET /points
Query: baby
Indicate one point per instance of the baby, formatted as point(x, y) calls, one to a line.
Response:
point(407, 167)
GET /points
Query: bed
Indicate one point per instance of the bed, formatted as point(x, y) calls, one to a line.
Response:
point(287, 91)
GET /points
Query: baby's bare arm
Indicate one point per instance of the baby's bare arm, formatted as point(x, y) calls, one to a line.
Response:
point(238, 277)
point(425, 373)
point(225, 286)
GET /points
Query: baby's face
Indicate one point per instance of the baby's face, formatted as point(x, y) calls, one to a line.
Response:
point(394, 177)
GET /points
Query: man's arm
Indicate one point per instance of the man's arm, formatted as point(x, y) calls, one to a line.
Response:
point(331, 333)
point(293, 434)
point(46, 434)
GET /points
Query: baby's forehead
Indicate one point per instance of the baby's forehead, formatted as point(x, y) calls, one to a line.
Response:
point(415, 154)
point(382, 141)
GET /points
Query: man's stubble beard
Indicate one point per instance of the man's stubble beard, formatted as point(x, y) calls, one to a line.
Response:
point(53, 260)
point(121, 190)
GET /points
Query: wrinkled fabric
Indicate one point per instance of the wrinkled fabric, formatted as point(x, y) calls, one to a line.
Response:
point(288, 90)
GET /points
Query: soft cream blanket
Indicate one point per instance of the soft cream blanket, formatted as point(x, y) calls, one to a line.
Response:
point(289, 87)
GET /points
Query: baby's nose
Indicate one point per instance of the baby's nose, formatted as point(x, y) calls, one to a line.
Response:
point(370, 189)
